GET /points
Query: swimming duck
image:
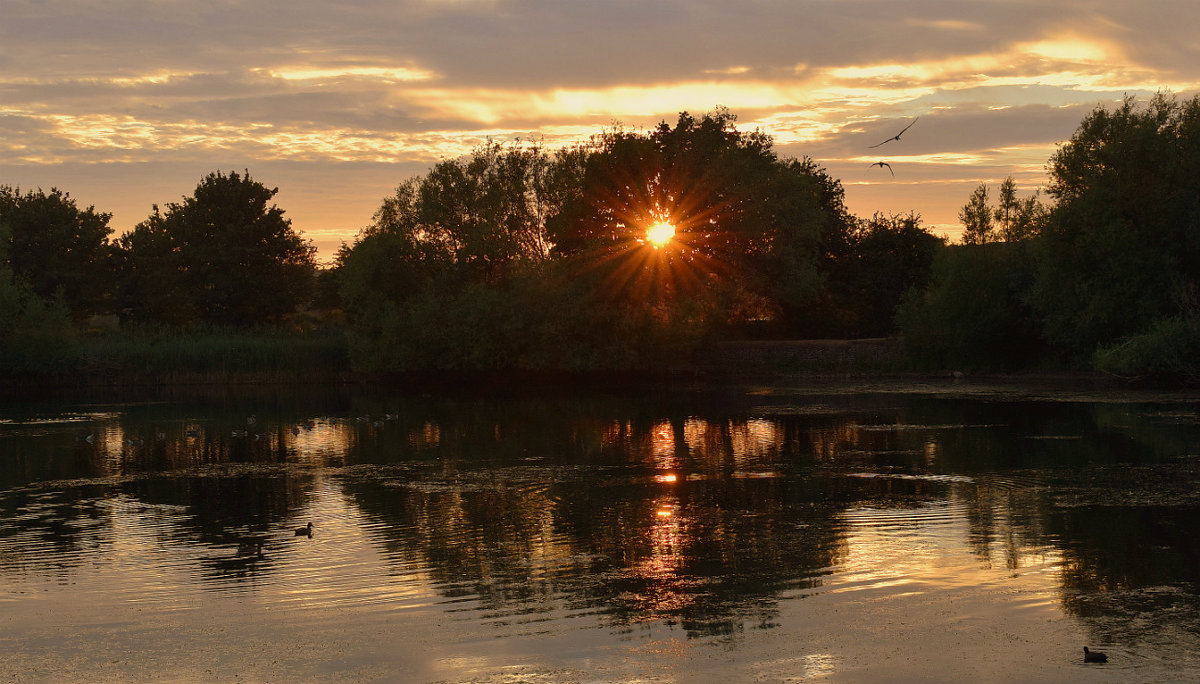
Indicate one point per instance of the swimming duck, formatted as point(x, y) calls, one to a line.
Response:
point(305, 531)
point(1094, 656)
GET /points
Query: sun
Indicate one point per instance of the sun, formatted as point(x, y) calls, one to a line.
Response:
point(660, 233)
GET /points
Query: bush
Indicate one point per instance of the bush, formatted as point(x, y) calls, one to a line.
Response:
point(973, 316)
point(1166, 352)
point(35, 333)
point(527, 324)
point(165, 350)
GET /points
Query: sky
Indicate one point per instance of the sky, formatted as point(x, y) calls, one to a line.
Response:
point(130, 103)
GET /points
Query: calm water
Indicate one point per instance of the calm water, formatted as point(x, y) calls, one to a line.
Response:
point(841, 534)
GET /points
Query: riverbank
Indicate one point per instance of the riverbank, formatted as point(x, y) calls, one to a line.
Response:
point(217, 360)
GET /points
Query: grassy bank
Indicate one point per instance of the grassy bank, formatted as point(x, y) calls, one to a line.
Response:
point(164, 356)
point(212, 357)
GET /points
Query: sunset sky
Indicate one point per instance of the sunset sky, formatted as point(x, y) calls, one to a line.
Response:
point(128, 103)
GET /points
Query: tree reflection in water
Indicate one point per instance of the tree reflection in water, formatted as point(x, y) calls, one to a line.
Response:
point(694, 511)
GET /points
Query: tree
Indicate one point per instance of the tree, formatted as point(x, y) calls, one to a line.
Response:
point(977, 217)
point(455, 272)
point(973, 314)
point(35, 333)
point(1121, 248)
point(746, 221)
point(475, 218)
point(1011, 220)
point(58, 249)
point(223, 256)
point(886, 256)
point(1018, 219)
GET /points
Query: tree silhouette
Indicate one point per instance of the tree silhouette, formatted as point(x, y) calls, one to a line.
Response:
point(59, 249)
point(1121, 248)
point(747, 223)
point(222, 255)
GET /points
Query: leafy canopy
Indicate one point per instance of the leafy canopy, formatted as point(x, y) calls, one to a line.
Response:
point(58, 249)
point(223, 255)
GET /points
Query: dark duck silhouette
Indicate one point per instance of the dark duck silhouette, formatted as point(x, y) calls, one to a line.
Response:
point(882, 164)
point(305, 531)
point(894, 137)
point(1094, 656)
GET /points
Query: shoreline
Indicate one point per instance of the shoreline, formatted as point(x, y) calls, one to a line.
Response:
point(876, 363)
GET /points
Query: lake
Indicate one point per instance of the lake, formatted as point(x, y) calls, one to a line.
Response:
point(841, 533)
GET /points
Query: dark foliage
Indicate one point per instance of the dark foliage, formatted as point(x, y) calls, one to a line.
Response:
point(222, 256)
point(748, 224)
point(1121, 249)
point(58, 249)
point(973, 315)
point(881, 259)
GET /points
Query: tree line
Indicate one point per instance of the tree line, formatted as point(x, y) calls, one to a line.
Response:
point(1104, 277)
point(520, 257)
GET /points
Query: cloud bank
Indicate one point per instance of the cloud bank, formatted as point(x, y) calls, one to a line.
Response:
point(126, 103)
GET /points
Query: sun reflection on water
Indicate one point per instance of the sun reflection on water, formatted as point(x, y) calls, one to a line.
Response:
point(614, 527)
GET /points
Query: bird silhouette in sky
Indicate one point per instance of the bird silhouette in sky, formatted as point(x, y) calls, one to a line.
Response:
point(897, 136)
point(882, 164)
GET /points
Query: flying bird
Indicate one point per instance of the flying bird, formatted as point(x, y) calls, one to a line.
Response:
point(897, 136)
point(882, 164)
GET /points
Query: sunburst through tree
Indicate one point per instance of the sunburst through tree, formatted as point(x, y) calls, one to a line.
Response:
point(702, 212)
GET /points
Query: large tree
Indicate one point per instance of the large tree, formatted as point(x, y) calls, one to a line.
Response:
point(224, 255)
point(746, 221)
point(58, 249)
point(1121, 248)
point(483, 213)
point(455, 270)
point(480, 219)
point(884, 258)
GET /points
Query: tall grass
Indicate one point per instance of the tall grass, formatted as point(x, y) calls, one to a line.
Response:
point(212, 353)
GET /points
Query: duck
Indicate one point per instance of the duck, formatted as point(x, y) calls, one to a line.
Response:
point(305, 531)
point(1094, 656)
